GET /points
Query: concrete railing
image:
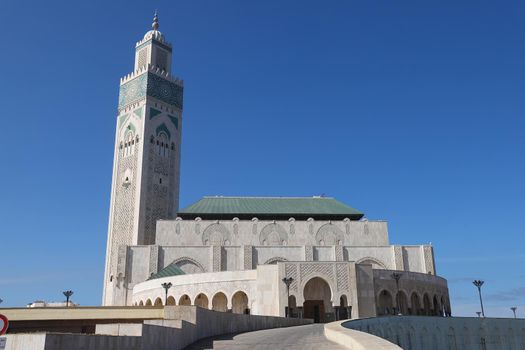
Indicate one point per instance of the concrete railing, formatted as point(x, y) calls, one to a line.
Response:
point(445, 333)
point(355, 340)
point(179, 327)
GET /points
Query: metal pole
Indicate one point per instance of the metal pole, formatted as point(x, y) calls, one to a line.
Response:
point(166, 286)
point(396, 276)
point(287, 281)
point(288, 300)
point(514, 310)
point(67, 294)
point(478, 284)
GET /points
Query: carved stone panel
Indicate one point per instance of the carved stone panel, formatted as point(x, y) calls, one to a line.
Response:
point(153, 259)
point(398, 256)
point(291, 271)
point(216, 251)
point(248, 257)
point(308, 253)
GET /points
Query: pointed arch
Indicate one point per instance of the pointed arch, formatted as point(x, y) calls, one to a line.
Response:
point(273, 234)
point(216, 234)
point(376, 263)
point(275, 260)
point(189, 265)
point(329, 234)
point(162, 128)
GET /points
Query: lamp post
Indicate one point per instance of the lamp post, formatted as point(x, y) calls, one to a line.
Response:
point(514, 310)
point(67, 294)
point(478, 284)
point(166, 286)
point(396, 276)
point(287, 281)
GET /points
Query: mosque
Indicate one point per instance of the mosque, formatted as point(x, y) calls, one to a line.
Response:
point(311, 257)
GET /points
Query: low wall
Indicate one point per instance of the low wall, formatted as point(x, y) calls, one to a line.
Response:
point(58, 341)
point(180, 326)
point(190, 324)
point(447, 333)
point(355, 340)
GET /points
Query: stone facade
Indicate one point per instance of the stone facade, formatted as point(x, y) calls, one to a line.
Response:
point(341, 265)
point(145, 185)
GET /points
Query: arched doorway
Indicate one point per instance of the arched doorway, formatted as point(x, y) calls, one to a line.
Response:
point(426, 305)
point(158, 302)
point(403, 303)
point(171, 300)
point(185, 300)
point(240, 303)
point(148, 302)
point(292, 306)
point(219, 302)
point(385, 305)
point(317, 300)
point(345, 311)
point(141, 303)
point(436, 308)
point(416, 305)
point(201, 300)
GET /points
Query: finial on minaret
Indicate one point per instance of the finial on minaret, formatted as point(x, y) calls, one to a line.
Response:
point(155, 24)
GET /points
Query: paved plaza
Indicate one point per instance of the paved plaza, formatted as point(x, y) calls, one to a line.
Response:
point(309, 337)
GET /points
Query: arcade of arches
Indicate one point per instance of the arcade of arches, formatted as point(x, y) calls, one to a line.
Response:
point(219, 302)
point(431, 306)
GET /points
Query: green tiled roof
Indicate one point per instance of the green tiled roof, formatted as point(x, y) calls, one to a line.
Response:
point(269, 207)
point(170, 270)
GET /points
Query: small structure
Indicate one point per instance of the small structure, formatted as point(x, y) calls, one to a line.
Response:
point(41, 303)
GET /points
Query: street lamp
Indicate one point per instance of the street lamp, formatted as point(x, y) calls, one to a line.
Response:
point(166, 286)
point(478, 284)
point(396, 276)
point(287, 281)
point(68, 294)
point(514, 310)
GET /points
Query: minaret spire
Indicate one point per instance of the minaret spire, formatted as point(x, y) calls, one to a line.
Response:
point(155, 24)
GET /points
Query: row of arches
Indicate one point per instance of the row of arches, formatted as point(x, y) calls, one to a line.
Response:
point(219, 302)
point(162, 145)
point(427, 306)
point(126, 148)
point(272, 234)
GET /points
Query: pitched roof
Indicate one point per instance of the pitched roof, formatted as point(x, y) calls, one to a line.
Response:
point(170, 270)
point(273, 208)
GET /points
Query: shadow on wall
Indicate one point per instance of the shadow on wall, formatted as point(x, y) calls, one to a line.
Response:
point(452, 333)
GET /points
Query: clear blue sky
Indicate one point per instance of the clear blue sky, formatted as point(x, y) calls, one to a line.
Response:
point(410, 111)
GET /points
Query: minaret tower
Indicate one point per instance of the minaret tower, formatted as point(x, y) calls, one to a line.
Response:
point(146, 167)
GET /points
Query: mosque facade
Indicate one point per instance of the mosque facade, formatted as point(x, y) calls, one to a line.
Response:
point(312, 257)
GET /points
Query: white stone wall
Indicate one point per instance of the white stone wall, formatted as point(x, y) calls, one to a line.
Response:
point(209, 284)
point(273, 233)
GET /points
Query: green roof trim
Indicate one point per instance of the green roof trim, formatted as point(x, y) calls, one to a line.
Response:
point(170, 270)
point(269, 208)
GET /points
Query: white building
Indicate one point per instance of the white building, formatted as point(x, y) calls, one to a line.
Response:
point(232, 253)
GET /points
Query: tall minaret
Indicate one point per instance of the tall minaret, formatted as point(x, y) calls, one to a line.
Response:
point(146, 166)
